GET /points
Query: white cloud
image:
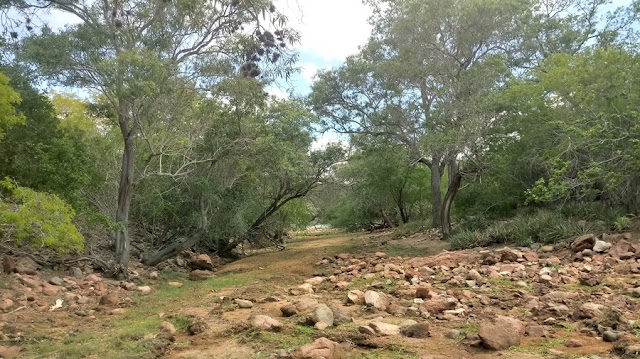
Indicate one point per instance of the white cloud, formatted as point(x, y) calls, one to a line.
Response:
point(333, 29)
point(308, 71)
point(278, 93)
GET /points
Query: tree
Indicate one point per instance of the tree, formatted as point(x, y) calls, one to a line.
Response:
point(146, 59)
point(9, 98)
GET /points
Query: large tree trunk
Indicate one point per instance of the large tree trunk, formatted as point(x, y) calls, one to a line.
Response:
point(436, 194)
point(125, 195)
point(455, 180)
point(387, 221)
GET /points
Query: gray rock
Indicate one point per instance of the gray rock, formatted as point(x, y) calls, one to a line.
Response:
point(265, 322)
point(610, 336)
point(419, 330)
point(453, 334)
point(244, 304)
point(601, 246)
point(56, 281)
point(377, 300)
point(77, 273)
point(322, 314)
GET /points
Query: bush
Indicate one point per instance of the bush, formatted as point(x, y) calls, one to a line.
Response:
point(37, 219)
point(542, 226)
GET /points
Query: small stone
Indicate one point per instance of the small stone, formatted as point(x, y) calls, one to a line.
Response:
point(573, 343)
point(320, 348)
point(244, 304)
point(197, 327)
point(546, 279)
point(265, 322)
point(322, 314)
point(601, 246)
point(26, 265)
point(377, 300)
point(546, 249)
point(93, 278)
point(537, 331)
point(200, 275)
point(583, 242)
point(9, 352)
point(8, 264)
point(385, 329)
point(423, 293)
point(502, 333)
point(50, 290)
point(109, 299)
point(356, 297)
point(145, 290)
point(610, 336)
point(288, 310)
point(77, 273)
point(117, 311)
point(453, 334)
point(153, 275)
point(419, 330)
point(168, 328)
point(175, 284)
point(56, 281)
point(202, 261)
point(6, 304)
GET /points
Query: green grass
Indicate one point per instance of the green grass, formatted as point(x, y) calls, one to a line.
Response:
point(539, 347)
point(402, 251)
point(583, 288)
point(390, 351)
point(129, 335)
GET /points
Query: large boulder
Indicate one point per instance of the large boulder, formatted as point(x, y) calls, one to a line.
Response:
point(322, 348)
point(501, 333)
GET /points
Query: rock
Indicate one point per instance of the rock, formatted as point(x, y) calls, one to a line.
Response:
point(26, 265)
point(601, 246)
point(30, 282)
point(110, 299)
point(423, 293)
point(356, 297)
point(367, 330)
point(583, 242)
point(288, 310)
point(560, 296)
point(145, 290)
point(545, 278)
point(197, 327)
point(419, 330)
point(314, 280)
point(175, 284)
point(168, 328)
point(9, 352)
point(502, 333)
point(385, 329)
point(610, 336)
point(265, 322)
point(436, 306)
point(6, 304)
point(305, 288)
point(117, 311)
point(537, 331)
point(322, 314)
point(474, 275)
point(201, 261)
point(339, 316)
point(8, 264)
point(154, 275)
point(453, 334)
point(547, 249)
point(200, 275)
point(636, 292)
point(377, 300)
point(93, 278)
point(56, 281)
point(589, 310)
point(622, 248)
point(305, 304)
point(321, 348)
point(573, 343)
point(244, 304)
point(77, 273)
point(50, 290)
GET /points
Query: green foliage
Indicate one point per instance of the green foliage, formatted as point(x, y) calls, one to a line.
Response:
point(38, 219)
point(541, 226)
point(9, 99)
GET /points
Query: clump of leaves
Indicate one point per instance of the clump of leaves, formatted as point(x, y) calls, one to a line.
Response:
point(37, 219)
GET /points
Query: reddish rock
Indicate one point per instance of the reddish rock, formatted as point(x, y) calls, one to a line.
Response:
point(623, 250)
point(6, 304)
point(9, 352)
point(93, 278)
point(423, 293)
point(265, 322)
point(419, 330)
point(436, 306)
point(50, 290)
point(322, 348)
point(200, 275)
point(202, 261)
point(31, 282)
point(583, 242)
point(110, 299)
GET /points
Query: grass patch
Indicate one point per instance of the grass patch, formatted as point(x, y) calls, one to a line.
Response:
point(566, 326)
point(583, 288)
point(402, 251)
point(390, 351)
point(129, 335)
point(538, 347)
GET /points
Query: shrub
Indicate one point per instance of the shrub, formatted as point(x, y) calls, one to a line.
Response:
point(37, 219)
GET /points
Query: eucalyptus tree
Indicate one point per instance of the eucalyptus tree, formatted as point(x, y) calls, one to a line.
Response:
point(148, 61)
